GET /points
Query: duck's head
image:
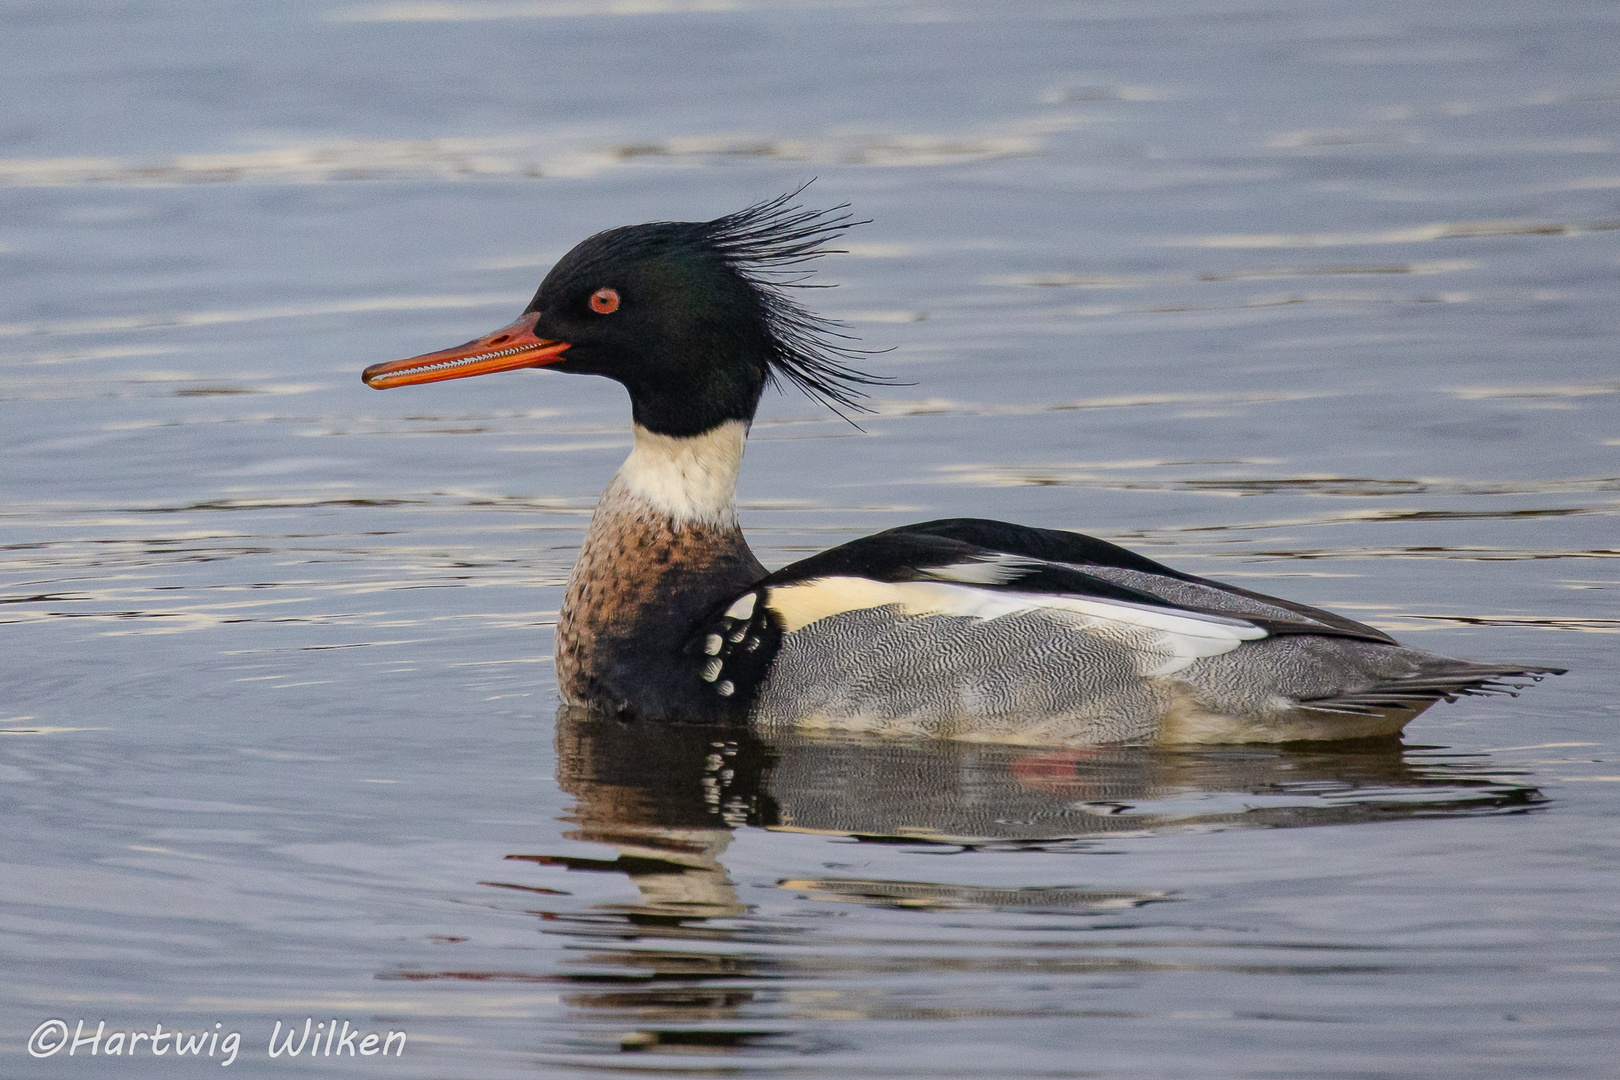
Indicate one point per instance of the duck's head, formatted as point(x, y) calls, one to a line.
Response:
point(689, 316)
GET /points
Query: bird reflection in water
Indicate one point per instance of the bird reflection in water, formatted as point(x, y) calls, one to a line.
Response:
point(658, 791)
point(690, 965)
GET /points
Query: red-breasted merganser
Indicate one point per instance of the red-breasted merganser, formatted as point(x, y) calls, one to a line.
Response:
point(961, 628)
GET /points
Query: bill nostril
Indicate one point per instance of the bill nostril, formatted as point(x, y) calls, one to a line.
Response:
point(502, 340)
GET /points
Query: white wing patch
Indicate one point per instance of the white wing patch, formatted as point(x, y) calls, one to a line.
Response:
point(1166, 640)
point(997, 569)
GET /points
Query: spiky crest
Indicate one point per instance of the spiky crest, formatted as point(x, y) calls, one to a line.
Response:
point(764, 244)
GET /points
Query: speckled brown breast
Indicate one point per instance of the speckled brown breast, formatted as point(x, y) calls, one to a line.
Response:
point(640, 582)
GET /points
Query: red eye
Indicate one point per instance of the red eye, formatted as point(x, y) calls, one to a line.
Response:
point(605, 301)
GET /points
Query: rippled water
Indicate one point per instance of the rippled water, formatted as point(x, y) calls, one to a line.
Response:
point(1316, 298)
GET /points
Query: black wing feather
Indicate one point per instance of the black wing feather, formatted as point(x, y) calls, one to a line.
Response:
point(1080, 550)
point(901, 555)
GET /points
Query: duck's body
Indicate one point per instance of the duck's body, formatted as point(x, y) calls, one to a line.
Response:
point(961, 628)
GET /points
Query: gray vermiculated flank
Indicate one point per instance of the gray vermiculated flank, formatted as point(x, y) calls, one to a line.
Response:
point(1032, 675)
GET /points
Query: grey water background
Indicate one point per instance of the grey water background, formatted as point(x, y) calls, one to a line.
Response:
point(1319, 298)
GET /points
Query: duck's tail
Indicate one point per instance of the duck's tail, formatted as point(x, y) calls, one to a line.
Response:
point(1420, 689)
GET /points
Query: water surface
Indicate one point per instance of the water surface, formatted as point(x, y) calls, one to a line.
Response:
point(1312, 298)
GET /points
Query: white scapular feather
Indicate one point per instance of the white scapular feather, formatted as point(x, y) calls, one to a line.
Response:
point(1166, 640)
point(997, 569)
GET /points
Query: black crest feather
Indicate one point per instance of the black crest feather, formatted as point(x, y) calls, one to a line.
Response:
point(768, 244)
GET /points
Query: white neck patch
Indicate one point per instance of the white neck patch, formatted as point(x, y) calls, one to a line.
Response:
point(692, 479)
